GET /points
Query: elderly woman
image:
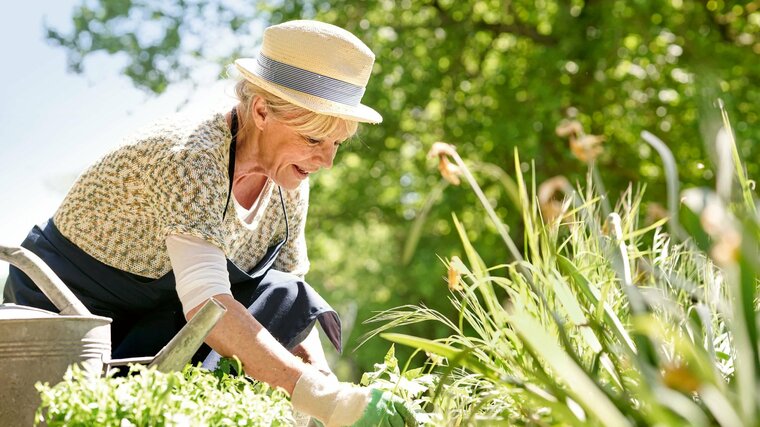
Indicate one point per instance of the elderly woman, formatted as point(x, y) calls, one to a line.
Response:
point(217, 208)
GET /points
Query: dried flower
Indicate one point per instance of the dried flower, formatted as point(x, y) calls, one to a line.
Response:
point(551, 207)
point(569, 128)
point(586, 148)
point(449, 171)
point(441, 149)
point(655, 212)
point(455, 283)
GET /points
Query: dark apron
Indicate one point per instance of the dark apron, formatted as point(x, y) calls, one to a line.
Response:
point(147, 313)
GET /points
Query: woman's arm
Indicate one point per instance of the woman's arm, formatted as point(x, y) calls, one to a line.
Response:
point(263, 357)
point(200, 270)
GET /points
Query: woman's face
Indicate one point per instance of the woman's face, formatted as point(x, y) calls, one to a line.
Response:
point(288, 157)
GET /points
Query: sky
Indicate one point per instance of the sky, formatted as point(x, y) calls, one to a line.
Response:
point(54, 123)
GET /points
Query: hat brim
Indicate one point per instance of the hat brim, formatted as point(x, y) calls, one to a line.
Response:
point(359, 113)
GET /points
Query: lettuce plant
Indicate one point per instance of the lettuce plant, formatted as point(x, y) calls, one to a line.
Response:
point(146, 397)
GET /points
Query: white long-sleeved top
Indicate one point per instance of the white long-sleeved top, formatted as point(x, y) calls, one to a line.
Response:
point(200, 268)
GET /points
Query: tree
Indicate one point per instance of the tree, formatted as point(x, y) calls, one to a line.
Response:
point(486, 75)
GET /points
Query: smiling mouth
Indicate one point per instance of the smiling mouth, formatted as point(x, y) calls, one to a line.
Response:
point(301, 171)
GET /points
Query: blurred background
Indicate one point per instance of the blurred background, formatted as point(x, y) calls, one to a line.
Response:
point(489, 76)
point(54, 122)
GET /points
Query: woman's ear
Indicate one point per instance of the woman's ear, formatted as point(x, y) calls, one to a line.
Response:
point(259, 111)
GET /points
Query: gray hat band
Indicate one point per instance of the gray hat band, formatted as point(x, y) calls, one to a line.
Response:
point(309, 82)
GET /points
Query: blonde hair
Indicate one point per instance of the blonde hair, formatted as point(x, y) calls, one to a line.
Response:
point(301, 120)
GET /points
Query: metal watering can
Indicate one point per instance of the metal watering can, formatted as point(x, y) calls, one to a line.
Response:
point(39, 345)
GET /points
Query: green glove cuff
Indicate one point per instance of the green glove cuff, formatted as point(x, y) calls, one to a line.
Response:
point(386, 410)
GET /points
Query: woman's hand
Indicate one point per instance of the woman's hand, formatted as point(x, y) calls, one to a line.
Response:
point(342, 404)
point(329, 374)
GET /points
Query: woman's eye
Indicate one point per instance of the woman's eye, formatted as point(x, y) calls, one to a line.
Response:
point(313, 141)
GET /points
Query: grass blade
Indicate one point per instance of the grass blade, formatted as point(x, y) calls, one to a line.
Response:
point(610, 317)
point(579, 386)
point(455, 355)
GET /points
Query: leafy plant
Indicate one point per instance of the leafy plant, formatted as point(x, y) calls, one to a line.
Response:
point(146, 397)
point(412, 385)
point(600, 319)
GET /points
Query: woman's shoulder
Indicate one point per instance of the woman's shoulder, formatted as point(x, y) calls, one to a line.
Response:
point(178, 142)
point(174, 138)
point(184, 131)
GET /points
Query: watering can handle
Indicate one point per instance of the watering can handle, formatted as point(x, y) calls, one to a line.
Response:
point(188, 340)
point(45, 279)
point(179, 351)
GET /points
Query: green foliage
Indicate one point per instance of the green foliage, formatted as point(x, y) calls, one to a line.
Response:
point(414, 385)
point(488, 75)
point(607, 321)
point(146, 397)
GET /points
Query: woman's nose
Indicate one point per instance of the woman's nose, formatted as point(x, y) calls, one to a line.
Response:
point(327, 154)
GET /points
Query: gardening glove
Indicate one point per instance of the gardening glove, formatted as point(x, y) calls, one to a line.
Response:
point(342, 404)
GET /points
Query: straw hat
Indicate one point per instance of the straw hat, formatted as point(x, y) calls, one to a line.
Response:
point(314, 65)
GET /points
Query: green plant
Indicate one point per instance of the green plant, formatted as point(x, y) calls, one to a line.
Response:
point(412, 385)
point(603, 320)
point(146, 397)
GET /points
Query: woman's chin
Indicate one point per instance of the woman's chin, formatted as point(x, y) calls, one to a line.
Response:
point(291, 183)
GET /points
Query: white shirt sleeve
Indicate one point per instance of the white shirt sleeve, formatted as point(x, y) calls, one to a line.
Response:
point(200, 270)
